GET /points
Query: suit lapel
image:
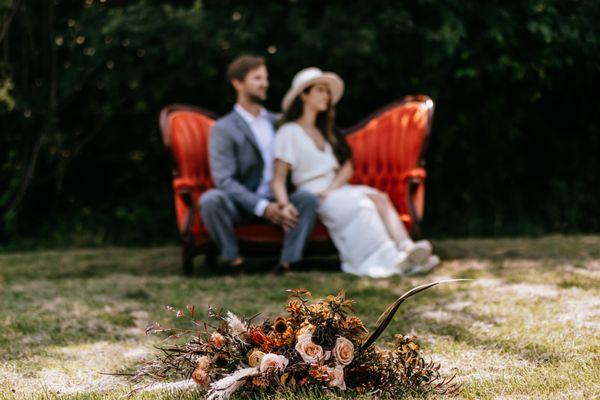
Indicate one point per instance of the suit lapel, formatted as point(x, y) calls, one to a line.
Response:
point(245, 129)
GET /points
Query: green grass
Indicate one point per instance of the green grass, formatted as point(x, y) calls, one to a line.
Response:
point(528, 326)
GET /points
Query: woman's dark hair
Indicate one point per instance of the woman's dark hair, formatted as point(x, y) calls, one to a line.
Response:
point(325, 123)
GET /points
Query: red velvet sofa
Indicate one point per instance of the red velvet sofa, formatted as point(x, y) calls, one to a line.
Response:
point(388, 153)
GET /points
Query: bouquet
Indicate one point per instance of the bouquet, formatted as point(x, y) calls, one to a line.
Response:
point(316, 345)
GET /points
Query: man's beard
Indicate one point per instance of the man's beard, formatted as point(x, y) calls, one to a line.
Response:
point(255, 99)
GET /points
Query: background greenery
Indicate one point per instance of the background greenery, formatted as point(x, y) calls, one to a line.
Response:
point(513, 149)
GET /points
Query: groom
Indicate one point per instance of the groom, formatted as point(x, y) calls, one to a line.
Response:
point(241, 161)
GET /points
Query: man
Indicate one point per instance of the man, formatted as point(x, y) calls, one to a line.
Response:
point(241, 161)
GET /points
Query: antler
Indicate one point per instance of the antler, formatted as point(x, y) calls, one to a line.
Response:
point(387, 316)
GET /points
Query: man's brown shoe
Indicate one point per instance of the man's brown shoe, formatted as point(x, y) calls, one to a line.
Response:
point(280, 269)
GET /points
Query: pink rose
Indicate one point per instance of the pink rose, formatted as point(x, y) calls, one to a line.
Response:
point(337, 373)
point(309, 351)
point(343, 351)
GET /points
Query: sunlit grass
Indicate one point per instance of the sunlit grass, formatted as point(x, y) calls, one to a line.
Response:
point(528, 326)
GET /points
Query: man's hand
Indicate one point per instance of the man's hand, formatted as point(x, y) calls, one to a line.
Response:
point(273, 213)
point(284, 215)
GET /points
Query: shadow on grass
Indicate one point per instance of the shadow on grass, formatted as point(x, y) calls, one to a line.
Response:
point(88, 264)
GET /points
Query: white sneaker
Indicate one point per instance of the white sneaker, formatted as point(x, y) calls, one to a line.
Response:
point(424, 268)
point(402, 262)
point(418, 252)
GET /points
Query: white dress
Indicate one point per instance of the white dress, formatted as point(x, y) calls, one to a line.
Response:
point(348, 213)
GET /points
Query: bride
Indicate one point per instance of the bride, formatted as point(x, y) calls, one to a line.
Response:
point(361, 220)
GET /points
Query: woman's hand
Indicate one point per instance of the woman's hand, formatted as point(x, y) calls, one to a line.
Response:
point(289, 215)
point(323, 194)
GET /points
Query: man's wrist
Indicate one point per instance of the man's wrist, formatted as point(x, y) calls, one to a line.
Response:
point(261, 206)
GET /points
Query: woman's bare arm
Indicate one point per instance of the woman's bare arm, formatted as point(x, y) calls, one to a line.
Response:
point(342, 177)
point(288, 211)
point(279, 179)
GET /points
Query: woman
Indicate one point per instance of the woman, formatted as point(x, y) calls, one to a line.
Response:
point(362, 221)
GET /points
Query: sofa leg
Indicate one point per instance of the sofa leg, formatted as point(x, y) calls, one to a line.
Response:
point(210, 259)
point(187, 260)
point(416, 231)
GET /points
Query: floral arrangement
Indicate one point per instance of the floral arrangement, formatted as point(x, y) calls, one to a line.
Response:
point(318, 345)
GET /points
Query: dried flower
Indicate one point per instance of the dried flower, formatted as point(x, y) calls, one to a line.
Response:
point(306, 328)
point(200, 376)
point(294, 307)
point(235, 324)
point(217, 339)
point(289, 336)
point(260, 339)
point(261, 382)
point(221, 360)
point(280, 325)
point(319, 344)
point(203, 363)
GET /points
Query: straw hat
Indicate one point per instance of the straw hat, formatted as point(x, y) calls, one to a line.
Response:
point(311, 76)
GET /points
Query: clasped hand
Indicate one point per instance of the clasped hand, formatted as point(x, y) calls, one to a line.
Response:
point(284, 215)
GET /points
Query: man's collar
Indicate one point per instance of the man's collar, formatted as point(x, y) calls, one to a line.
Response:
point(249, 118)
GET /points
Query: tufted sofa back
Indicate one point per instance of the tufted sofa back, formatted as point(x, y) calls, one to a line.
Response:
point(185, 131)
point(387, 150)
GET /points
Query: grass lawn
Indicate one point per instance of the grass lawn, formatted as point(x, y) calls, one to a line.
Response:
point(528, 326)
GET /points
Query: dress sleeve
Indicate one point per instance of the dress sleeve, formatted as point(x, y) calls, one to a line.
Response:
point(284, 145)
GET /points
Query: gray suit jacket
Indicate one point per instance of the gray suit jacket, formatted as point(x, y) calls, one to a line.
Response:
point(235, 160)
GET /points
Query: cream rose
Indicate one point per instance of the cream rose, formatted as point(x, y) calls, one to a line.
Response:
point(273, 361)
point(309, 351)
point(343, 351)
point(255, 357)
point(338, 377)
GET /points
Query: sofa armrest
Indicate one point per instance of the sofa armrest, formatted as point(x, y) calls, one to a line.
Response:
point(416, 175)
point(415, 180)
point(185, 188)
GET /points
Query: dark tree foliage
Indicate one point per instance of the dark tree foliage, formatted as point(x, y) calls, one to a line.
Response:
point(514, 146)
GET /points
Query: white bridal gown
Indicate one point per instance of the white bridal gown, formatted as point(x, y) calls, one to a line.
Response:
point(350, 216)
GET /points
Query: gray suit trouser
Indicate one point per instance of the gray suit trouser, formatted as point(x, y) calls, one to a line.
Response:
point(220, 214)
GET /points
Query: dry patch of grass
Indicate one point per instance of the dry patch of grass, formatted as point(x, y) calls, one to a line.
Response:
point(528, 326)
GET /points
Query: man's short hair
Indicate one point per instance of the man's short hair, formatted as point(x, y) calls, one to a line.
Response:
point(239, 68)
